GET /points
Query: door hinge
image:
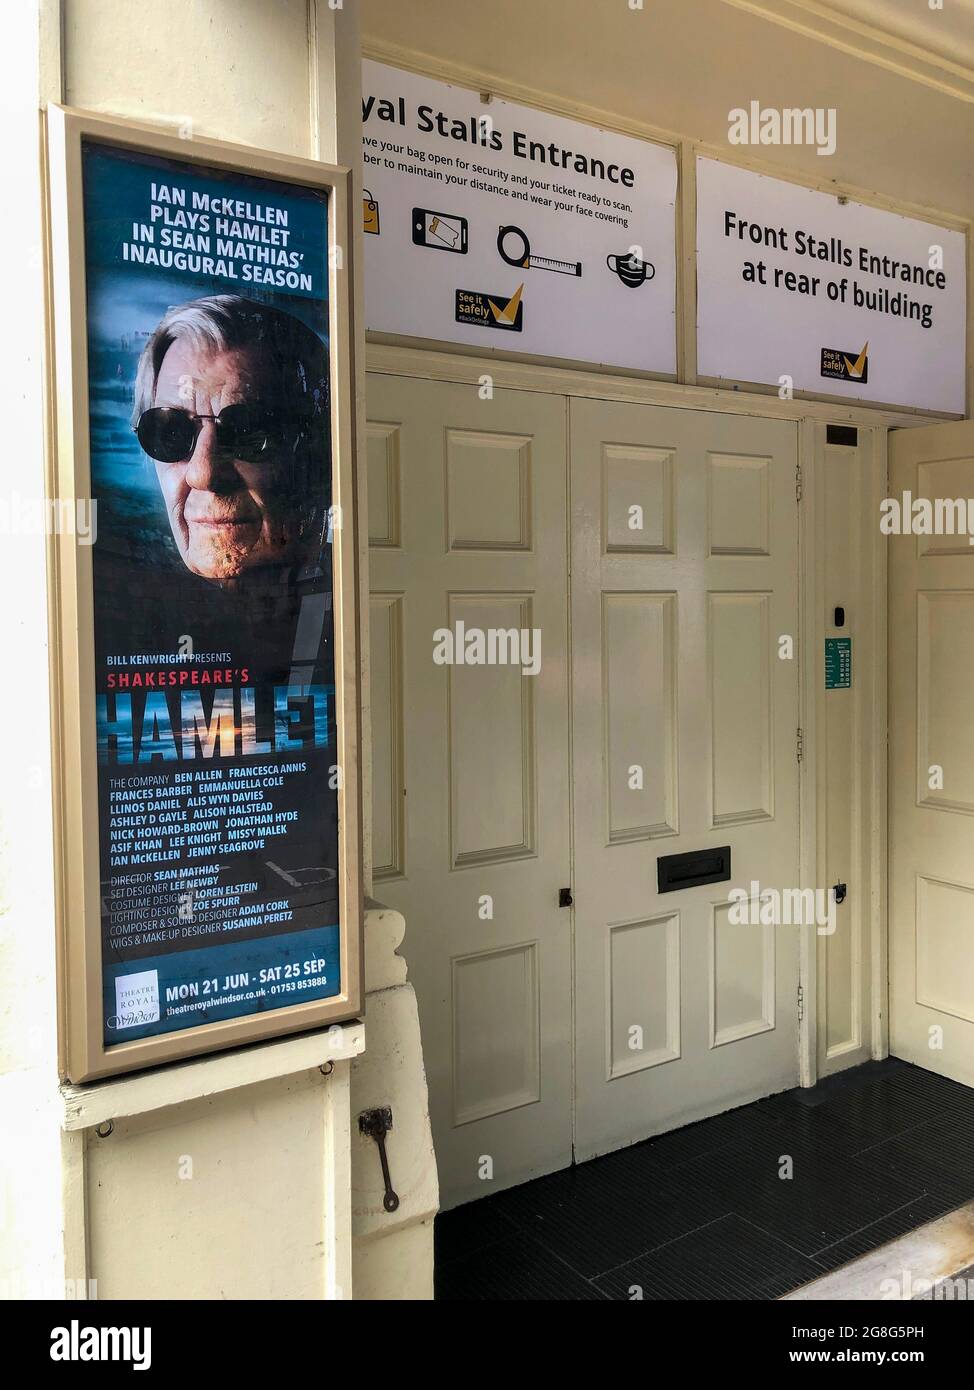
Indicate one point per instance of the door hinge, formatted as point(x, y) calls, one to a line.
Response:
point(799, 490)
point(801, 1003)
point(799, 744)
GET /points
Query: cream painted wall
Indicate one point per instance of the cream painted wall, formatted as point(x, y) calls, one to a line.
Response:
point(252, 1124)
point(31, 1234)
point(236, 69)
point(943, 33)
point(282, 76)
point(679, 66)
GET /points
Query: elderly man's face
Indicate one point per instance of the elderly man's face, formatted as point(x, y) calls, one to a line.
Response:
point(227, 515)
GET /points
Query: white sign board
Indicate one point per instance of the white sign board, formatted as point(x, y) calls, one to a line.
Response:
point(500, 226)
point(794, 287)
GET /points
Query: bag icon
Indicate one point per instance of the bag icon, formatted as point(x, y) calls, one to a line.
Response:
point(370, 212)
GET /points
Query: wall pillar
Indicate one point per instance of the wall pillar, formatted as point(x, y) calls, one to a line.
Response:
point(392, 1252)
point(238, 1165)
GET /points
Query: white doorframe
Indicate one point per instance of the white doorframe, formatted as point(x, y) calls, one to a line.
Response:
point(396, 359)
point(809, 858)
point(871, 720)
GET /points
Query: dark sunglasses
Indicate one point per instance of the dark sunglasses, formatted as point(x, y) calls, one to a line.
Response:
point(169, 433)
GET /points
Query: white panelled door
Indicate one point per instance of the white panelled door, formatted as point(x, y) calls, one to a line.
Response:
point(684, 580)
point(637, 1010)
point(931, 761)
point(471, 837)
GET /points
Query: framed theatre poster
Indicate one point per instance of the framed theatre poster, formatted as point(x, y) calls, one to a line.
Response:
point(205, 656)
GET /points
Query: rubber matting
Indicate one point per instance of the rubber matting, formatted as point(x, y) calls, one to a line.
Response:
point(747, 1205)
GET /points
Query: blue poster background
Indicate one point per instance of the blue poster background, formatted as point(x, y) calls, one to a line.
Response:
point(196, 933)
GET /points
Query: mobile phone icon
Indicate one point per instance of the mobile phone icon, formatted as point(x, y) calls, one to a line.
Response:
point(440, 231)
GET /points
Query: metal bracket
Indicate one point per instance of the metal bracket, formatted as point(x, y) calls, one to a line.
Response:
point(376, 1124)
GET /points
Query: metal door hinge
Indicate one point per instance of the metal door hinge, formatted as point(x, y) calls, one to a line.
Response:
point(799, 744)
point(801, 1003)
point(799, 481)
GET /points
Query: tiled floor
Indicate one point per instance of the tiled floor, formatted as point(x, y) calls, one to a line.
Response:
point(703, 1212)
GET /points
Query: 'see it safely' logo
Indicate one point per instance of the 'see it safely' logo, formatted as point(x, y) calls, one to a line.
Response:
point(846, 366)
point(491, 310)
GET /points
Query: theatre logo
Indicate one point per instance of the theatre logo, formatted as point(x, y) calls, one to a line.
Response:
point(846, 366)
point(491, 310)
point(136, 999)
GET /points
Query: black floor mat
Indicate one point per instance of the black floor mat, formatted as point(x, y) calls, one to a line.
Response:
point(747, 1205)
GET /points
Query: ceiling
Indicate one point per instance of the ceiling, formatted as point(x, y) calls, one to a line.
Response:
point(947, 32)
point(895, 72)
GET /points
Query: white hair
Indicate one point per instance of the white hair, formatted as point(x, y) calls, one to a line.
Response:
point(291, 352)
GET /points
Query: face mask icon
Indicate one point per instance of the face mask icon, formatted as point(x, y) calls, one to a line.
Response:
point(630, 270)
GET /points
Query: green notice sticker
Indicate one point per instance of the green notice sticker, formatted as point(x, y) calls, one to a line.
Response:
point(838, 663)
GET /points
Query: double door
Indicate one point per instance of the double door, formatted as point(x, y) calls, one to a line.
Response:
point(584, 656)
